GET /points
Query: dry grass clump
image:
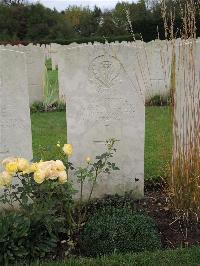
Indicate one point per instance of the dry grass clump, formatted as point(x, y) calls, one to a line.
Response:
point(184, 179)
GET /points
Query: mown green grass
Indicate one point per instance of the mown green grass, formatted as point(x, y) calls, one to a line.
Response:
point(48, 128)
point(158, 141)
point(179, 257)
point(53, 81)
point(51, 89)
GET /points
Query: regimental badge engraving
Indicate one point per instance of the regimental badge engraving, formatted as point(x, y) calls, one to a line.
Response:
point(104, 70)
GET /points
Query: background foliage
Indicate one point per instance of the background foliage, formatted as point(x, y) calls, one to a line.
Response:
point(24, 22)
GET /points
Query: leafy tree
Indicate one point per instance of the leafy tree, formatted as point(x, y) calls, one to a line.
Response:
point(120, 18)
point(84, 21)
point(13, 2)
point(107, 25)
point(22, 21)
point(32, 23)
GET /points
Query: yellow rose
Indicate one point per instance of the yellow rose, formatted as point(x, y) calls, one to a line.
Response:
point(59, 165)
point(11, 167)
point(8, 160)
point(49, 167)
point(5, 179)
point(62, 177)
point(52, 175)
point(42, 165)
point(88, 159)
point(22, 164)
point(33, 168)
point(39, 176)
point(68, 150)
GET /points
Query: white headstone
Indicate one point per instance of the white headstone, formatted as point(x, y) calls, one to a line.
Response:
point(35, 58)
point(54, 55)
point(15, 123)
point(36, 72)
point(104, 97)
point(187, 97)
point(159, 68)
point(61, 72)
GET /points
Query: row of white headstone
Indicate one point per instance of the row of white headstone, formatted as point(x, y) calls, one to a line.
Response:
point(156, 54)
point(105, 96)
point(35, 64)
point(155, 58)
point(103, 102)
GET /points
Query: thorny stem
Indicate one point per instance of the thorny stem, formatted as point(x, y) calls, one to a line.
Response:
point(98, 170)
point(80, 204)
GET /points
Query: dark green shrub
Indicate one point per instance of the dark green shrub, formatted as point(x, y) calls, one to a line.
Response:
point(58, 106)
point(118, 231)
point(25, 238)
point(78, 39)
point(158, 100)
point(45, 216)
point(14, 229)
point(100, 39)
point(43, 236)
point(108, 201)
point(48, 64)
point(37, 107)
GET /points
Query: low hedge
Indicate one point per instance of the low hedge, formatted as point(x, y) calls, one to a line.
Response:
point(128, 38)
point(118, 230)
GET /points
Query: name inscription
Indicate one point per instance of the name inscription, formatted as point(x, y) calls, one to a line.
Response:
point(113, 109)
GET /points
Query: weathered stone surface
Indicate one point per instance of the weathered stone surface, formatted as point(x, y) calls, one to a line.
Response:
point(15, 123)
point(186, 97)
point(35, 59)
point(159, 58)
point(54, 55)
point(36, 72)
point(105, 99)
point(156, 59)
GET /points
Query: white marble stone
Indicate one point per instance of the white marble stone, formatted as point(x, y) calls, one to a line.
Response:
point(187, 97)
point(36, 72)
point(54, 55)
point(156, 58)
point(35, 60)
point(105, 99)
point(61, 73)
point(159, 68)
point(15, 123)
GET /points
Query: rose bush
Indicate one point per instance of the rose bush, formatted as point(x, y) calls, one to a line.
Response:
point(42, 192)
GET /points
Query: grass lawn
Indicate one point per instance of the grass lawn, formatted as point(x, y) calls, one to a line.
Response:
point(179, 257)
point(53, 82)
point(51, 91)
point(48, 128)
point(158, 141)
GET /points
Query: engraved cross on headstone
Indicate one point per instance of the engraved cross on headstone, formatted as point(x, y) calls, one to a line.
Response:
point(103, 141)
point(99, 141)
